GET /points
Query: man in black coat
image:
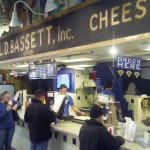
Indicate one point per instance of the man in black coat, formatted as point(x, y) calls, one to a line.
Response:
point(39, 117)
point(94, 136)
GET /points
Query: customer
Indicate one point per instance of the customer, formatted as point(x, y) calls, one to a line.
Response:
point(94, 136)
point(7, 125)
point(39, 117)
point(69, 101)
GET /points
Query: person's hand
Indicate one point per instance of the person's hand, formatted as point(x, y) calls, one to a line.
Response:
point(83, 114)
point(9, 107)
point(121, 140)
point(15, 107)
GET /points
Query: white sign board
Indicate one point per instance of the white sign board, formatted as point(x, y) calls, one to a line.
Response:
point(57, 103)
point(130, 130)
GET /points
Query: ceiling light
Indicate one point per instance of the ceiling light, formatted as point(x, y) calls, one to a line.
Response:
point(77, 60)
point(147, 49)
point(113, 50)
point(77, 68)
point(144, 46)
point(81, 65)
point(15, 22)
point(50, 5)
point(21, 65)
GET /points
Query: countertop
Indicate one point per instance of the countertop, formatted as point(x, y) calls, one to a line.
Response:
point(73, 128)
point(69, 127)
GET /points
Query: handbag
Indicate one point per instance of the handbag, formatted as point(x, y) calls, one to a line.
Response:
point(15, 115)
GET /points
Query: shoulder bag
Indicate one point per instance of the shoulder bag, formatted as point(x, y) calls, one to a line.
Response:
point(15, 115)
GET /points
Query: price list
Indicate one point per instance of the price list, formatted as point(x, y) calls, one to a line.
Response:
point(43, 71)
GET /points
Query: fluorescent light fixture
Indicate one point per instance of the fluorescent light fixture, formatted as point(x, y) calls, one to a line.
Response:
point(113, 50)
point(144, 46)
point(50, 5)
point(76, 60)
point(81, 65)
point(79, 68)
point(147, 48)
point(21, 65)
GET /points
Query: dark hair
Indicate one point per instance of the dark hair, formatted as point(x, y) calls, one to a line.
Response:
point(5, 92)
point(109, 84)
point(39, 93)
point(63, 86)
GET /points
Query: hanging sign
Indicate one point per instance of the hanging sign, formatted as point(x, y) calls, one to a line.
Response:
point(45, 69)
point(129, 66)
point(128, 63)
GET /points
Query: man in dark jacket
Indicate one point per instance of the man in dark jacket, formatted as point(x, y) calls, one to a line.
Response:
point(94, 136)
point(39, 116)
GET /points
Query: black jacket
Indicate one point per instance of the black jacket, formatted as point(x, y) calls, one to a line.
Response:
point(94, 136)
point(39, 117)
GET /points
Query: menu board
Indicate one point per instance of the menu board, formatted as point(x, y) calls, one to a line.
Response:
point(42, 70)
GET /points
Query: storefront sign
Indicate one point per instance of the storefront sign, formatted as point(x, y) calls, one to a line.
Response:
point(100, 21)
point(128, 63)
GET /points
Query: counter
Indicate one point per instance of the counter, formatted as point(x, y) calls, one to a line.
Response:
point(72, 128)
point(65, 137)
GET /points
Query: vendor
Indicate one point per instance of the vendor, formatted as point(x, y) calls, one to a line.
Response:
point(108, 91)
point(117, 113)
point(69, 102)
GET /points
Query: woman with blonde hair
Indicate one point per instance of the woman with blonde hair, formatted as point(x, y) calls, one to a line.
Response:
point(7, 125)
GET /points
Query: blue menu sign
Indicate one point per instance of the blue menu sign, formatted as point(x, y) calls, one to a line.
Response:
point(128, 63)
